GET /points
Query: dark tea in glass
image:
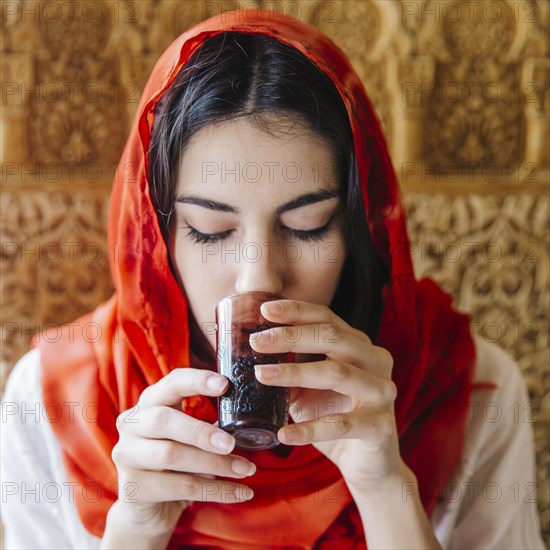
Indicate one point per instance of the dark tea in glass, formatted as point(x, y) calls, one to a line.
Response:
point(249, 410)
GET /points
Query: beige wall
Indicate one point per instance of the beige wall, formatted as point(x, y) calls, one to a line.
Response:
point(462, 89)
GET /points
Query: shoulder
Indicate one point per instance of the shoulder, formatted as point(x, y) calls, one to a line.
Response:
point(24, 379)
point(22, 397)
point(499, 404)
point(33, 471)
point(499, 407)
point(495, 365)
point(21, 412)
point(490, 500)
point(24, 420)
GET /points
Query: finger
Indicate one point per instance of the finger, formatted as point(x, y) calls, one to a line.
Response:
point(160, 455)
point(370, 425)
point(345, 346)
point(327, 329)
point(319, 403)
point(320, 338)
point(330, 375)
point(168, 423)
point(181, 383)
point(296, 312)
point(147, 487)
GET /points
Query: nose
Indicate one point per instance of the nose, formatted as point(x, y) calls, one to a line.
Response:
point(260, 268)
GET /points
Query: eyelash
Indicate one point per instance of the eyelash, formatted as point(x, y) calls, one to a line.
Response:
point(306, 236)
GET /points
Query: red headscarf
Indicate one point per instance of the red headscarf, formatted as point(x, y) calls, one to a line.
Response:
point(301, 498)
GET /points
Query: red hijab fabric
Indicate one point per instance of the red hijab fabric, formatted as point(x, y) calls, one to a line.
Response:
point(144, 332)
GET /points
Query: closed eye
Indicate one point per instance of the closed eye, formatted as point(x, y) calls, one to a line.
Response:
point(311, 235)
point(306, 236)
point(199, 237)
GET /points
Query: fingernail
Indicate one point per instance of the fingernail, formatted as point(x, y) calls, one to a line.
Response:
point(245, 493)
point(242, 467)
point(291, 434)
point(267, 371)
point(276, 308)
point(222, 441)
point(216, 382)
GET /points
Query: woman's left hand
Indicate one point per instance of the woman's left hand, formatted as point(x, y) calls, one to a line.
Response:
point(344, 404)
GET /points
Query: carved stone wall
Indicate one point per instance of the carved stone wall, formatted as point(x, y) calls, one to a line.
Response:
point(461, 89)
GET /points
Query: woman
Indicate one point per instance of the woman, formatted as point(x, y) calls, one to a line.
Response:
point(254, 132)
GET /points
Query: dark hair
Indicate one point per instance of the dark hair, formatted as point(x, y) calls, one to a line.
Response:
point(258, 77)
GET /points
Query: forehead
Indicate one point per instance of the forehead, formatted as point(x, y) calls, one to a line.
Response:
point(241, 153)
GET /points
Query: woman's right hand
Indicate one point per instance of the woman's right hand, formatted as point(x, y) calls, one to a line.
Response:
point(167, 459)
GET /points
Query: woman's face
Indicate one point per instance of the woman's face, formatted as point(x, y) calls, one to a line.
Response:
point(272, 206)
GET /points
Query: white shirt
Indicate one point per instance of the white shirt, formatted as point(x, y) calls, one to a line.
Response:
point(490, 501)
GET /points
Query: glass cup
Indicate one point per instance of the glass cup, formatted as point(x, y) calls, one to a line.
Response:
point(249, 410)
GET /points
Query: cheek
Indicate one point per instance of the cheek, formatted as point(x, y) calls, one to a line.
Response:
point(200, 270)
point(201, 280)
point(319, 270)
point(191, 261)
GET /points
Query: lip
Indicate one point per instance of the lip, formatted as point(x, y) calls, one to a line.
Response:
point(247, 319)
point(256, 292)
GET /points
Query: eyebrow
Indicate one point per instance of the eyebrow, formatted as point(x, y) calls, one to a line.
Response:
point(302, 200)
